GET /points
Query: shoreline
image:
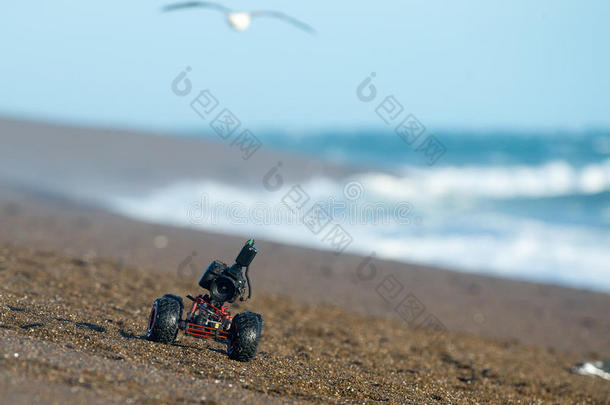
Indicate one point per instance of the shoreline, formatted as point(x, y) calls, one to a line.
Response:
point(132, 172)
point(530, 313)
point(77, 282)
point(64, 218)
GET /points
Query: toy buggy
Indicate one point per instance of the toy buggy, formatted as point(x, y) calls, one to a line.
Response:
point(209, 317)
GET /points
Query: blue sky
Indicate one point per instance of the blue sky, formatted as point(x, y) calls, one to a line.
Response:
point(454, 64)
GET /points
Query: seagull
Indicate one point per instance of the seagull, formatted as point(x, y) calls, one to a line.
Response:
point(240, 20)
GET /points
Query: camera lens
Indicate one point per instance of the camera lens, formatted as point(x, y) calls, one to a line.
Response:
point(223, 289)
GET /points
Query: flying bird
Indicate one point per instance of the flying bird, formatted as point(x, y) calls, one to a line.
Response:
point(240, 20)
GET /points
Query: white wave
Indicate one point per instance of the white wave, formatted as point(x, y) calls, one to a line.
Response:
point(530, 250)
point(489, 243)
point(549, 180)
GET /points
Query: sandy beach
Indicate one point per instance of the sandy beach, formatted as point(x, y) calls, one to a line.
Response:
point(305, 203)
point(77, 284)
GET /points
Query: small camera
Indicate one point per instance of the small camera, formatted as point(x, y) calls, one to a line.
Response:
point(227, 283)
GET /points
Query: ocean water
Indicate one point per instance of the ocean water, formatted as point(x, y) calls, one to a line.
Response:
point(517, 205)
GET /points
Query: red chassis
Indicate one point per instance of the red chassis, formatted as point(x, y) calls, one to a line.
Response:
point(206, 320)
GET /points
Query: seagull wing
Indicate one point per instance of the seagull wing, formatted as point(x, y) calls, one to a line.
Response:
point(279, 15)
point(196, 4)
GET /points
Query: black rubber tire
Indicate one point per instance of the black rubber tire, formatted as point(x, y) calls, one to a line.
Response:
point(177, 298)
point(163, 320)
point(244, 334)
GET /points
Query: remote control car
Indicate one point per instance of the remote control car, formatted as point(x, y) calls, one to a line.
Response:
point(208, 317)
